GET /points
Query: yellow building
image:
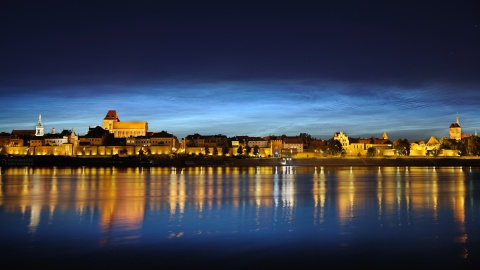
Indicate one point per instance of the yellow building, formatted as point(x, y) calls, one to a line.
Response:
point(342, 138)
point(123, 129)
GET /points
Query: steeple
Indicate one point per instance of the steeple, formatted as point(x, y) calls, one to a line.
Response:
point(39, 130)
point(456, 120)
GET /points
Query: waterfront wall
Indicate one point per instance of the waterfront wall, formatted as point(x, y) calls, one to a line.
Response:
point(93, 150)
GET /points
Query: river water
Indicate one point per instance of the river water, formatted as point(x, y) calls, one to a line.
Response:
point(240, 217)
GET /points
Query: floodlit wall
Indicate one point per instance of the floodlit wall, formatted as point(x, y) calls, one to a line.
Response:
point(449, 153)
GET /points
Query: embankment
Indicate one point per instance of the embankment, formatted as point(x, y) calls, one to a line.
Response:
point(61, 161)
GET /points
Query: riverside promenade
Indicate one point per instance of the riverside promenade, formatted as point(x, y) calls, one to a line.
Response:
point(133, 161)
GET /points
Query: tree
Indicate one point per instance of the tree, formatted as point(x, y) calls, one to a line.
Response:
point(401, 147)
point(215, 151)
point(473, 146)
point(225, 150)
point(446, 143)
point(306, 139)
point(406, 144)
point(240, 150)
point(334, 147)
point(256, 150)
point(452, 144)
point(248, 150)
point(371, 151)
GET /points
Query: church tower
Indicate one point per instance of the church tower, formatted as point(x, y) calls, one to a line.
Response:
point(110, 119)
point(456, 130)
point(39, 130)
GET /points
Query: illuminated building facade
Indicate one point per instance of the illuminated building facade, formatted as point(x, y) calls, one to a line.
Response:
point(342, 138)
point(292, 145)
point(112, 123)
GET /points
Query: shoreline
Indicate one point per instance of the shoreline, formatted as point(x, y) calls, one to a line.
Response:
point(62, 161)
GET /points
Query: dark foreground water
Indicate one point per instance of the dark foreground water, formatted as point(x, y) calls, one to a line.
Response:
point(240, 218)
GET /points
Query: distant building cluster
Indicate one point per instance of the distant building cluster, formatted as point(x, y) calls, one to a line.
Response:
point(134, 138)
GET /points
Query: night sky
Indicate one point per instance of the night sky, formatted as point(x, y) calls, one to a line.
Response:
point(253, 68)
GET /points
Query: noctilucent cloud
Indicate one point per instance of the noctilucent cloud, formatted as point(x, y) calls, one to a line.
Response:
point(254, 68)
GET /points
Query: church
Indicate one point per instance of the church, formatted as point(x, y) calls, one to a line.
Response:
point(112, 123)
point(456, 130)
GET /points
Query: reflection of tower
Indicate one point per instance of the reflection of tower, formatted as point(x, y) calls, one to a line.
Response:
point(39, 130)
point(456, 130)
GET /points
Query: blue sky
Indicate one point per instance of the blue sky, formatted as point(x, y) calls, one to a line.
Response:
point(243, 68)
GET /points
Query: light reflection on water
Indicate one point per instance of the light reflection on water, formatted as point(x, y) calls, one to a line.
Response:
point(48, 214)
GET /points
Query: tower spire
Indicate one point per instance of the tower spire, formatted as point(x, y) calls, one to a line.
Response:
point(39, 130)
point(456, 120)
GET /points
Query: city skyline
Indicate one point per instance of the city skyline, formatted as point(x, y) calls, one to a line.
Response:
point(53, 130)
point(244, 68)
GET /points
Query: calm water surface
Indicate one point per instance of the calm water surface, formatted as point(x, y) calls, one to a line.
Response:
point(240, 217)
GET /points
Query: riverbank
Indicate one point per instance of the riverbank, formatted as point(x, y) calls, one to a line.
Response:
point(62, 161)
point(390, 161)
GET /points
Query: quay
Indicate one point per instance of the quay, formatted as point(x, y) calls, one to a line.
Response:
point(133, 161)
